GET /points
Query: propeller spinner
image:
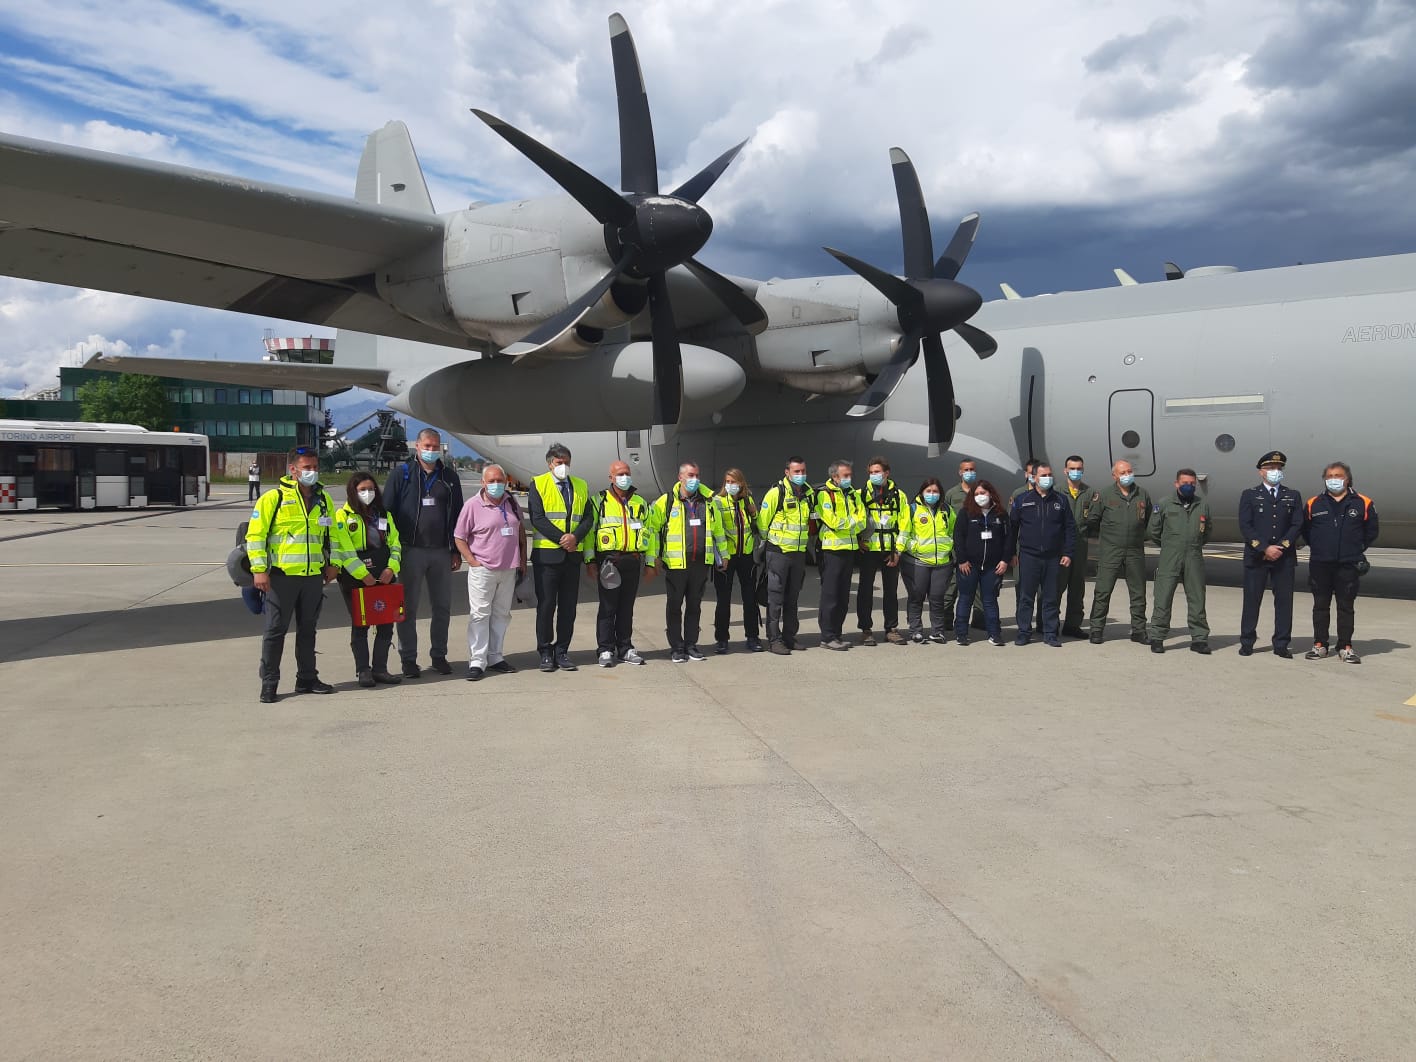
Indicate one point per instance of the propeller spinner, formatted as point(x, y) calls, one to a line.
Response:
point(646, 233)
point(927, 301)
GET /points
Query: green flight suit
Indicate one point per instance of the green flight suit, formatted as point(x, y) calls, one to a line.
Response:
point(1120, 521)
point(1181, 528)
point(1072, 580)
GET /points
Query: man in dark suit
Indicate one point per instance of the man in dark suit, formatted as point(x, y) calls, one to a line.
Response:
point(1270, 519)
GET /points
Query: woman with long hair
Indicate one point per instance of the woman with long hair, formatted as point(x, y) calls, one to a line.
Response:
point(927, 561)
point(739, 515)
point(365, 549)
point(983, 542)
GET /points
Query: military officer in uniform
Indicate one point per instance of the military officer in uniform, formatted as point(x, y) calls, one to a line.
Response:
point(1120, 515)
point(1180, 525)
point(1072, 580)
point(1270, 519)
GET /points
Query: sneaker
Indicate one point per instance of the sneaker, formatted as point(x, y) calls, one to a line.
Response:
point(411, 669)
point(366, 678)
point(385, 679)
point(694, 653)
point(631, 656)
point(441, 666)
point(1056, 643)
point(563, 661)
point(268, 693)
point(1157, 646)
point(894, 637)
point(606, 659)
point(678, 656)
point(867, 638)
point(505, 667)
point(314, 686)
point(917, 638)
point(1347, 656)
point(1284, 654)
point(938, 637)
point(474, 674)
point(835, 644)
point(779, 648)
point(1317, 652)
point(1022, 639)
point(993, 639)
point(548, 662)
point(1200, 647)
point(1246, 650)
point(754, 645)
point(720, 647)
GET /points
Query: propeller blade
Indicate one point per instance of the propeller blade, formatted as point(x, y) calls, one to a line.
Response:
point(914, 218)
point(952, 260)
point(639, 168)
point(668, 357)
point(899, 292)
point(603, 203)
point(740, 304)
point(984, 345)
point(941, 396)
point(888, 379)
point(697, 186)
point(553, 326)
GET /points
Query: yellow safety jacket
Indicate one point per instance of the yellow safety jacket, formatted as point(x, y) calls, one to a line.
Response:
point(671, 531)
point(784, 519)
point(620, 526)
point(929, 537)
point(738, 516)
point(886, 516)
point(285, 534)
point(351, 538)
point(553, 503)
point(841, 516)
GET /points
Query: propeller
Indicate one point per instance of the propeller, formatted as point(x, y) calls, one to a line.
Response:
point(646, 233)
point(927, 301)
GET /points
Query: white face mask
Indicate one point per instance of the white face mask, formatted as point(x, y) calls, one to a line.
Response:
point(367, 497)
point(1274, 475)
point(309, 477)
point(983, 501)
point(561, 471)
point(732, 489)
point(1336, 486)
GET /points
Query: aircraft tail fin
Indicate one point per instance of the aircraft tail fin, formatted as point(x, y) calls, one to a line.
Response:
point(1125, 278)
point(1008, 292)
point(389, 174)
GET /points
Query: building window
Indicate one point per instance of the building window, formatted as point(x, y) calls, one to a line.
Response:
point(219, 396)
point(221, 427)
point(267, 428)
point(198, 395)
point(267, 396)
point(287, 428)
point(174, 395)
point(245, 428)
point(243, 397)
point(66, 393)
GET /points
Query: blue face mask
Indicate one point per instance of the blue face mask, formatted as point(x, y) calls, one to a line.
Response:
point(1126, 480)
point(1274, 475)
point(429, 457)
point(1045, 482)
point(308, 477)
point(799, 479)
point(932, 498)
point(1335, 486)
point(623, 482)
point(1074, 474)
point(732, 489)
point(494, 490)
point(877, 479)
point(690, 485)
point(845, 482)
point(1186, 491)
point(970, 477)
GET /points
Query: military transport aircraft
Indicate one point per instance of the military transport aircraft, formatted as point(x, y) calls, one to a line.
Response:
point(586, 318)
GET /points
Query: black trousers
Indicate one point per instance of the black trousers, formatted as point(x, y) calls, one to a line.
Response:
point(741, 570)
point(932, 583)
point(1037, 577)
point(871, 564)
point(557, 594)
point(835, 566)
point(298, 598)
point(785, 574)
point(253, 489)
point(683, 604)
point(359, 636)
point(1328, 579)
point(614, 623)
point(1279, 575)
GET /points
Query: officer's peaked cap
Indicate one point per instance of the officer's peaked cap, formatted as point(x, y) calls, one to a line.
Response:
point(1273, 457)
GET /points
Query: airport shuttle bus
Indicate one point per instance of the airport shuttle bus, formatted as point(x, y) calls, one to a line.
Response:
point(76, 465)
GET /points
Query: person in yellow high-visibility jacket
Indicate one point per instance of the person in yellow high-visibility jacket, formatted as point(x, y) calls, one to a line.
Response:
point(288, 543)
point(840, 517)
point(686, 533)
point(927, 562)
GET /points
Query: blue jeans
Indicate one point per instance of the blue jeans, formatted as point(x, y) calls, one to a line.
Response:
point(988, 585)
point(1037, 575)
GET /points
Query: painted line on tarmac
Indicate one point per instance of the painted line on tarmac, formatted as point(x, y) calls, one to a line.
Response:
point(1412, 702)
point(120, 520)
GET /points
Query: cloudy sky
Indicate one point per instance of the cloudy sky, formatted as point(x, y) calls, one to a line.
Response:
point(1089, 133)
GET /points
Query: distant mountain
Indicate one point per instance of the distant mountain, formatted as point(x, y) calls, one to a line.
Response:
point(356, 404)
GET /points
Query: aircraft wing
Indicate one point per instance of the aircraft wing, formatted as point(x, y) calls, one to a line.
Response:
point(92, 219)
point(320, 380)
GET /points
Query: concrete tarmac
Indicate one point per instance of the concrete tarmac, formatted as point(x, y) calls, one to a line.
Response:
point(897, 852)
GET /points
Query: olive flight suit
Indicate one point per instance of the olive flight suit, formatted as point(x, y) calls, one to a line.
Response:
point(1181, 529)
point(1121, 520)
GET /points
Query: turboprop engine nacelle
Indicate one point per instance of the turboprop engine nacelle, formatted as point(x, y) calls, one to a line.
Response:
point(612, 389)
point(825, 333)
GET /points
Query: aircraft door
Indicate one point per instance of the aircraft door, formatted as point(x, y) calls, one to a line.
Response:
point(1131, 429)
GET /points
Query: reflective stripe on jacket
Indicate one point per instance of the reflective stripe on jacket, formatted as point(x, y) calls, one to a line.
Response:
point(351, 538)
point(738, 516)
point(670, 530)
point(841, 516)
point(284, 534)
point(615, 520)
point(785, 519)
point(547, 488)
point(929, 536)
point(886, 516)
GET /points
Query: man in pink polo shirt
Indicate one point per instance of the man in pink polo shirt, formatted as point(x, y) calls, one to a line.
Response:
point(490, 536)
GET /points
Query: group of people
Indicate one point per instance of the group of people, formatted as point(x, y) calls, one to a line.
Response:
point(950, 547)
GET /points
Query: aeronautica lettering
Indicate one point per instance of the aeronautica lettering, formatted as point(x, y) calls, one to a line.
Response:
point(1378, 332)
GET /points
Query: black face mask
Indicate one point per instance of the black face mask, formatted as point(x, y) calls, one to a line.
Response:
point(1186, 493)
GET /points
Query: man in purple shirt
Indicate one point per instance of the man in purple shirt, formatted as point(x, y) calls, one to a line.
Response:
point(492, 541)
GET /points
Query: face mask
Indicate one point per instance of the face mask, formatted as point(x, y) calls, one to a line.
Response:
point(1336, 485)
point(877, 479)
point(308, 478)
point(561, 471)
point(1031, 480)
point(983, 501)
point(970, 477)
point(932, 498)
point(732, 489)
point(1045, 482)
point(1186, 491)
point(623, 482)
point(845, 482)
point(367, 497)
point(429, 457)
point(1074, 474)
point(1126, 480)
point(799, 480)
point(495, 490)
point(1274, 475)
point(690, 485)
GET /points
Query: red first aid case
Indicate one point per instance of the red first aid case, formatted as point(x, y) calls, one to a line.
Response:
point(378, 604)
